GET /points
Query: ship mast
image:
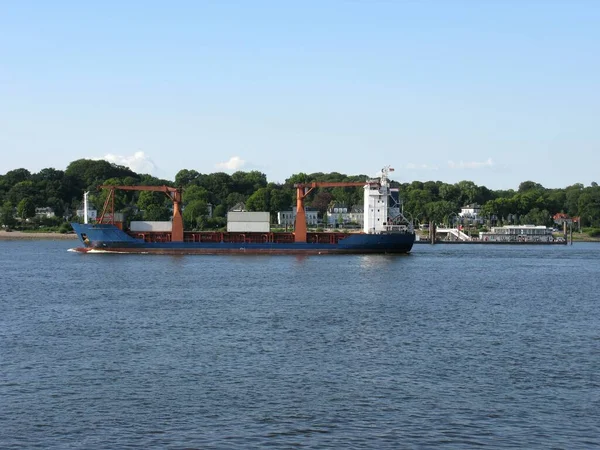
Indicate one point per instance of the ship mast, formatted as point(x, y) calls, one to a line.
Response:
point(85, 207)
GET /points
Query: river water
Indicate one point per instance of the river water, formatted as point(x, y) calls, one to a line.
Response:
point(450, 347)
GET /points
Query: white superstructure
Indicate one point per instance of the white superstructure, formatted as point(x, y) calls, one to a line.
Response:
point(377, 215)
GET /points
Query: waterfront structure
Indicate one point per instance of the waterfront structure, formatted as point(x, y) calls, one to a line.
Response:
point(518, 233)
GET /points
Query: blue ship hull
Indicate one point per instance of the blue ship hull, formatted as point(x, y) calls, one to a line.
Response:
point(109, 238)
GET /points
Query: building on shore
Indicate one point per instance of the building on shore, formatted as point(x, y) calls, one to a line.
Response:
point(45, 212)
point(518, 233)
point(91, 212)
point(471, 214)
point(340, 215)
point(562, 219)
point(287, 218)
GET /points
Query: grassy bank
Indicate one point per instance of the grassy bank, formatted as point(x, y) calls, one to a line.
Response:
point(16, 235)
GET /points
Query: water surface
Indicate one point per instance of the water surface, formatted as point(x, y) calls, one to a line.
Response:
point(451, 347)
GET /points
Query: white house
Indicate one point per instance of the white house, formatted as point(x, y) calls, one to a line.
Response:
point(471, 213)
point(46, 212)
point(92, 213)
point(288, 218)
point(357, 215)
point(338, 214)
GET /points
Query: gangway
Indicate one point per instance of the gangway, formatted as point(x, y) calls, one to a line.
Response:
point(459, 235)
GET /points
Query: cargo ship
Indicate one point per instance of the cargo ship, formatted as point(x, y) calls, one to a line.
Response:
point(383, 232)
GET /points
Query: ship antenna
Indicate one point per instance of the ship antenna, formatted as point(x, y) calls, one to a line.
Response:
point(384, 175)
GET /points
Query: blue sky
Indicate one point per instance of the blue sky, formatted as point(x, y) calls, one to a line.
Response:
point(497, 92)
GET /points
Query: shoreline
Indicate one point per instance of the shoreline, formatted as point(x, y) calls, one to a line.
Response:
point(20, 235)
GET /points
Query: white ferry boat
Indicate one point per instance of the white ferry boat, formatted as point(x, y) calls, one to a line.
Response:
point(518, 233)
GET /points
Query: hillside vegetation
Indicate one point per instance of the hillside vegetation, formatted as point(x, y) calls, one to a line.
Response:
point(21, 192)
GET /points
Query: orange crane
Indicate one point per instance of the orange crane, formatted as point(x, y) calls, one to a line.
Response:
point(174, 195)
point(302, 191)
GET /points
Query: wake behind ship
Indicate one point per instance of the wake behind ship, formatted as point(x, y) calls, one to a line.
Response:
point(384, 231)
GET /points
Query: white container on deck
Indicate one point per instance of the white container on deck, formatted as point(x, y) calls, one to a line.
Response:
point(248, 222)
point(151, 226)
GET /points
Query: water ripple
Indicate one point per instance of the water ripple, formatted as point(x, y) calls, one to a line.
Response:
point(451, 347)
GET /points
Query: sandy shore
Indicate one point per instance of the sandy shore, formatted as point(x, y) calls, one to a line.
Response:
point(15, 235)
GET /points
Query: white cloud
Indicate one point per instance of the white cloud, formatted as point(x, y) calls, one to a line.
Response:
point(138, 162)
point(234, 163)
point(471, 164)
point(411, 166)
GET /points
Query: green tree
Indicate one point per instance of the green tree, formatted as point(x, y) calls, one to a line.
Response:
point(343, 196)
point(90, 173)
point(58, 206)
point(16, 176)
point(529, 186)
point(259, 201)
point(279, 200)
point(432, 188)
point(589, 206)
point(415, 201)
point(156, 212)
point(7, 214)
point(21, 190)
point(321, 201)
point(194, 213)
point(149, 180)
point(219, 212)
point(149, 199)
point(572, 199)
point(555, 200)
point(218, 184)
point(537, 217)
point(186, 177)
point(193, 193)
point(449, 192)
point(25, 209)
point(298, 178)
point(233, 199)
point(247, 183)
point(440, 210)
point(468, 192)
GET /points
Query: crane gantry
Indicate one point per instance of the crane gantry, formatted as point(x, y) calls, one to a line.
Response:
point(174, 194)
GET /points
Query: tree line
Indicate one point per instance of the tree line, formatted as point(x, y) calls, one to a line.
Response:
point(22, 191)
